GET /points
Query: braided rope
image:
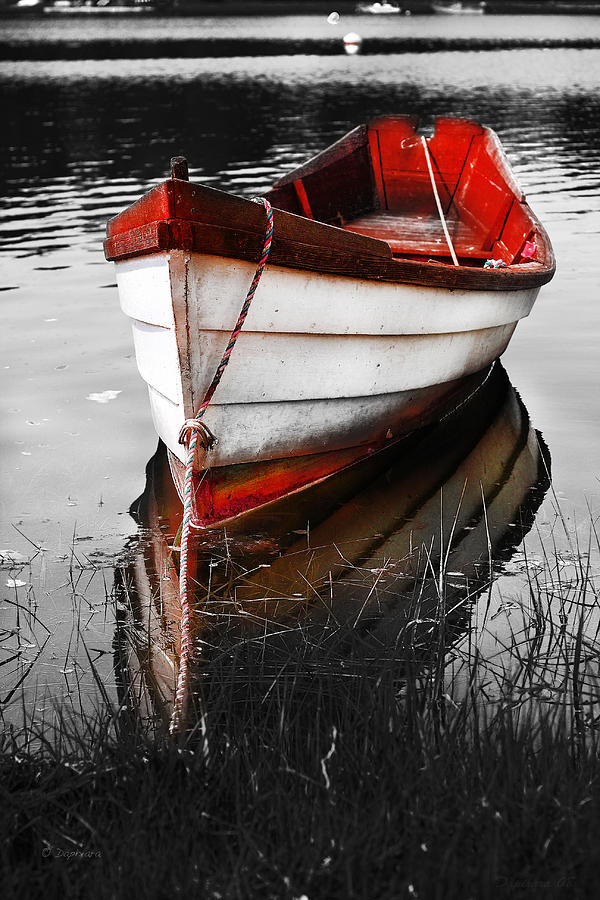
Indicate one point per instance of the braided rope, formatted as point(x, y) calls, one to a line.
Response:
point(189, 437)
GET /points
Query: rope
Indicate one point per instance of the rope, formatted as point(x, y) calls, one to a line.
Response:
point(189, 438)
point(439, 205)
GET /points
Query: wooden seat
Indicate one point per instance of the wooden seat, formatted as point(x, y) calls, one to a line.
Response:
point(419, 235)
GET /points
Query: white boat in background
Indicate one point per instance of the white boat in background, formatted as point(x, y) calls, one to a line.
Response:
point(383, 8)
point(399, 268)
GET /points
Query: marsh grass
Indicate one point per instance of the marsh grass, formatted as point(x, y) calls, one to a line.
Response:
point(53, 601)
point(319, 769)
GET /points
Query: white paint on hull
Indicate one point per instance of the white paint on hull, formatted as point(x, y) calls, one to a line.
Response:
point(277, 430)
point(145, 289)
point(297, 301)
point(157, 358)
point(282, 367)
point(323, 362)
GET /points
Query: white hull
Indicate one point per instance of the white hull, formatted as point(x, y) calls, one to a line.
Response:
point(323, 362)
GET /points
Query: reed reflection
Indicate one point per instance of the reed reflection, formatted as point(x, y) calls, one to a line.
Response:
point(350, 576)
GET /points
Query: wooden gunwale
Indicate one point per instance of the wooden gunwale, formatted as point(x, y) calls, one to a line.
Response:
point(178, 215)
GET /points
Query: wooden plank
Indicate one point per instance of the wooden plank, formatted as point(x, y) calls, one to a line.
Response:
point(405, 175)
point(404, 170)
point(352, 141)
point(424, 236)
point(154, 206)
point(517, 229)
point(235, 244)
point(286, 198)
point(449, 148)
point(343, 190)
point(347, 259)
point(137, 241)
point(207, 206)
point(181, 202)
point(484, 197)
point(403, 126)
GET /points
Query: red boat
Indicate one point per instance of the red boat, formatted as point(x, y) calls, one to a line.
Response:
point(399, 269)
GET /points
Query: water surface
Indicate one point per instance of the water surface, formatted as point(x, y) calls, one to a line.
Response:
point(83, 137)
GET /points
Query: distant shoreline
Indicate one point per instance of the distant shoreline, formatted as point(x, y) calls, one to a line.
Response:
point(224, 48)
point(213, 9)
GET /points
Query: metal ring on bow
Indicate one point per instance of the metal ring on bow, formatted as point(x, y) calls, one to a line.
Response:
point(206, 437)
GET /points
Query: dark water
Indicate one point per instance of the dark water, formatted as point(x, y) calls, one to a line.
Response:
point(83, 137)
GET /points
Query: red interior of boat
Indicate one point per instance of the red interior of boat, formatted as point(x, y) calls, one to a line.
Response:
point(375, 181)
point(374, 184)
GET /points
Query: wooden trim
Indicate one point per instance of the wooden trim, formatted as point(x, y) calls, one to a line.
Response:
point(234, 243)
point(137, 241)
point(181, 205)
point(350, 142)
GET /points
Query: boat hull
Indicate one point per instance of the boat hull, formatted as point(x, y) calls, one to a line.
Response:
point(324, 363)
point(398, 269)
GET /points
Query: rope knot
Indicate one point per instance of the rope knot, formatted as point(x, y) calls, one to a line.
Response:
point(205, 435)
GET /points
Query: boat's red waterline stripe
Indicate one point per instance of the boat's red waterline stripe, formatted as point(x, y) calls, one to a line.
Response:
point(189, 437)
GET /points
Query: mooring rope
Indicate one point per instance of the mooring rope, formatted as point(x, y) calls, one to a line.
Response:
point(189, 438)
point(439, 205)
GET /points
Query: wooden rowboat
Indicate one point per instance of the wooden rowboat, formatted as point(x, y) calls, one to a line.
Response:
point(398, 272)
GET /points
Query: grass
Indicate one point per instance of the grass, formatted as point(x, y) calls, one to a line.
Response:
point(319, 769)
point(317, 788)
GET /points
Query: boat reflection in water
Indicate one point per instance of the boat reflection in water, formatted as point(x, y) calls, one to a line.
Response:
point(362, 569)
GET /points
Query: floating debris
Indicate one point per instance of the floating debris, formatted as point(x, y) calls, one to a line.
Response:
point(103, 396)
point(12, 558)
point(15, 583)
point(333, 18)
